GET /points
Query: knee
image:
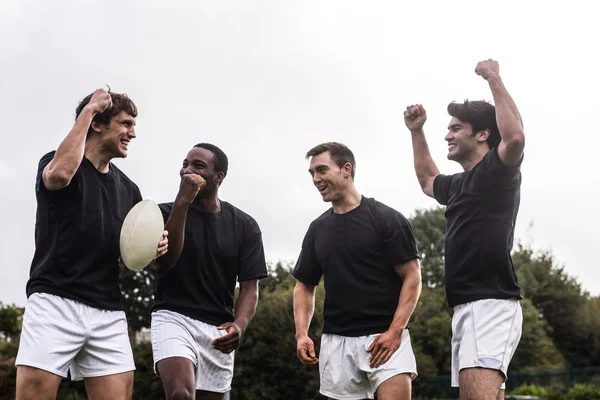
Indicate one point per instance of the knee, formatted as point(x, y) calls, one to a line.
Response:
point(181, 392)
point(31, 386)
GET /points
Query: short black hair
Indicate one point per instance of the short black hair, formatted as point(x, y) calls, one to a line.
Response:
point(340, 154)
point(221, 161)
point(480, 114)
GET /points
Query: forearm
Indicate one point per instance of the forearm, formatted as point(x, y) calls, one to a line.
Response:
point(508, 117)
point(304, 307)
point(425, 167)
point(69, 154)
point(176, 228)
point(407, 301)
point(245, 307)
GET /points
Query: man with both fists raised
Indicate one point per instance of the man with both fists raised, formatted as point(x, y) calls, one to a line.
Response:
point(482, 205)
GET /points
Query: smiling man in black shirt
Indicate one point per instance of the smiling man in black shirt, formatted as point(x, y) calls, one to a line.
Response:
point(74, 318)
point(367, 255)
point(482, 204)
point(212, 244)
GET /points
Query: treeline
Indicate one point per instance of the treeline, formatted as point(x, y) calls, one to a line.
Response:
point(561, 326)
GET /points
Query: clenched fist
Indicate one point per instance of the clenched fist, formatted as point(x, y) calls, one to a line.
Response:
point(415, 117)
point(190, 186)
point(100, 101)
point(487, 69)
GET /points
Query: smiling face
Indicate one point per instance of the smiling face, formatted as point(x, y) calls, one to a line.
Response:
point(461, 141)
point(201, 161)
point(331, 180)
point(117, 134)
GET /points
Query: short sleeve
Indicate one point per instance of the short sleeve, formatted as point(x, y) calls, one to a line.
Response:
point(252, 263)
point(498, 172)
point(399, 241)
point(44, 195)
point(165, 209)
point(442, 185)
point(307, 269)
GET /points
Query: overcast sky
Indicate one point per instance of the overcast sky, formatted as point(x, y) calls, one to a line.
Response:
point(267, 80)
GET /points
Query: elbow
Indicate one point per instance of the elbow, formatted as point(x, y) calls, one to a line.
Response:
point(516, 140)
point(56, 180)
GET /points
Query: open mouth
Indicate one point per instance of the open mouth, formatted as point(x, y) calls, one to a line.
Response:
point(322, 188)
point(451, 146)
point(125, 142)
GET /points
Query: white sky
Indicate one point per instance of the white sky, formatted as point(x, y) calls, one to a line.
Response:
point(267, 80)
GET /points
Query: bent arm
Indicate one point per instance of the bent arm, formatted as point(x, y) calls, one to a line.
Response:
point(425, 167)
point(176, 227)
point(510, 124)
point(69, 154)
point(245, 307)
point(410, 272)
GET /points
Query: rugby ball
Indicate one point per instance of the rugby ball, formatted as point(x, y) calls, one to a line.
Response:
point(141, 231)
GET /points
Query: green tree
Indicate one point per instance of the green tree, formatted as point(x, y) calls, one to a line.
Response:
point(560, 300)
point(138, 289)
point(429, 227)
point(266, 363)
point(536, 348)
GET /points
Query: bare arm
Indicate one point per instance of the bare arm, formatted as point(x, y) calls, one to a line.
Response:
point(244, 311)
point(384, 346)
point(415, 117)
point(189, 187)
point(410, 272)
point(510, 124)
point(304, 308)
point(59, 172)
point(246, 303)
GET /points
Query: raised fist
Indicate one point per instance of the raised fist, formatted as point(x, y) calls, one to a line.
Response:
point(487, 69)
point(415, 117)
point(100, 101)
point(190, 186)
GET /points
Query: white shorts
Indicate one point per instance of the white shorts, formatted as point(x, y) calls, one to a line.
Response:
point(345, 371)
point(60, 334)
point(485, 334)
point(175, 335)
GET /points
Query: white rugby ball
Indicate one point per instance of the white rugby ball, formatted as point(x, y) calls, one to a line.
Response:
point(141, 231)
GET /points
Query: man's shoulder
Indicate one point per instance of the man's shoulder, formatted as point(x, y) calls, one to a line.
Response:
point(377, 207)
point(239, 215)
point(122, 176)
point(325, 216)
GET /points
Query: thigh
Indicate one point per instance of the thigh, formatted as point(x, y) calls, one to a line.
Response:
point(479, 384)
point(171, 338)
point(396, 387)
point(402, 362)
point(110, 387)
point(339, 368)
point(214, 369)
point(34, 383)
point(178, 377)
point(107, 351)
point(52, 334)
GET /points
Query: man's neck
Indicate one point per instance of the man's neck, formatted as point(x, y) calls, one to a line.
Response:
point(208, 204)
point(348, 202)
point(474, 159)
point(97, 156)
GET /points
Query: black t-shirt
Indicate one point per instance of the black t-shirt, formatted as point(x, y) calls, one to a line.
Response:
point(219, 247)
point(482, 206)
point(77, 232)
point(356, 253)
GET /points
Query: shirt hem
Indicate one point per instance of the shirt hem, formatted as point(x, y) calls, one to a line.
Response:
point(66, 295)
